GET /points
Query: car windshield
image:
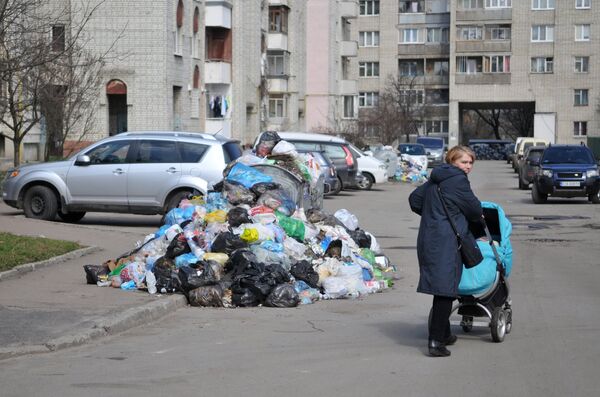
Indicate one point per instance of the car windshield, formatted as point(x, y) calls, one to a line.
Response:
point(413, 150)
point(535, 154)
point(431, 143)
point(567, 155)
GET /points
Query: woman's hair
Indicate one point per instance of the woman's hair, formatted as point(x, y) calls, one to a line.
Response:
point(457, 151)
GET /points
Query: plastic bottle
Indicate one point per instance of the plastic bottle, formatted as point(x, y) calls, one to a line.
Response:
point(151, 282)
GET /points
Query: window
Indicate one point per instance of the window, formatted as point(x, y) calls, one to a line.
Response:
point(581, 97)
point(277, 64)
point(409, 36)
point(410, 6)
point(369, 7)
point(437, 35)
point(368, 69)
point(498, 3)
point(178, 50)
point(469, 65)
point(110, 153)
point(58, 38)
point(542, 33)
point(368, 99)
point(498, 64)
point(349, 107)
point(470, 4)
point(196, 34)
point(542, 4)
point(191, 152)
point(469, 33)
point(436, 126)
point(413, 97)
point(334, 151)
point(437, 96)
point(157, 152)
point(542, 64)
point(580, 128)
point(368, 39)
point(582, 64)
point(411, 68)
point(582, 32)
point(277, 106)
point(437, 67)
point(499, 33)
point(278, 19)
point(582, 3)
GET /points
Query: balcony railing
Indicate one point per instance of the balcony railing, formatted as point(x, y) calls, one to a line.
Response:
point(349, 9)
point(217, 72)
point(483, 46)
point(348, 87)
point(483, 14)
point(218, 13)
point(483, 78)
point(277, 41)
point(349, 49)
point(424, 49)
point(278, 84)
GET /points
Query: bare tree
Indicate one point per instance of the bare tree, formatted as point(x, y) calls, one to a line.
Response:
point(521, 121)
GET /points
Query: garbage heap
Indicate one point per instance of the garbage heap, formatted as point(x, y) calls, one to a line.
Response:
point(489, 151)
point(250, 244)
point(411, 169)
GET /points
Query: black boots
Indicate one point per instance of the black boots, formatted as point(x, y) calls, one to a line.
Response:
point(450, 340)
point(438, 349)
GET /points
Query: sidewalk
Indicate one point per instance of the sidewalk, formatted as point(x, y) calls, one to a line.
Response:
point(53, 307)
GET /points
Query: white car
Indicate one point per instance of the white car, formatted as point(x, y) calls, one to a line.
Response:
point(373, 170)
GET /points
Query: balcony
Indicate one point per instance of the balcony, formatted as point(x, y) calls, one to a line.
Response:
point(483, 78)
point(436, 79)
point(217, 72)
point(423, 49)
point(221, 126)
point(277, 41)
point(349, 49)
point(278, 85)
point(349, 9)
point(411, 19)
point(348, 87)
point(482, 14)
point(218, 13)
point(483, 46)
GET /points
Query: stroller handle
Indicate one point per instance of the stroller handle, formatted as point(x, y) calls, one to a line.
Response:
point(499, 265)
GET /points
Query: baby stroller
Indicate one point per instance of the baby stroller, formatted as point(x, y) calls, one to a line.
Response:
point(484, 290)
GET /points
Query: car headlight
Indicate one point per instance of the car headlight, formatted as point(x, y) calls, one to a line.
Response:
point(13, 173)
point(547, 173)
point(591, 173)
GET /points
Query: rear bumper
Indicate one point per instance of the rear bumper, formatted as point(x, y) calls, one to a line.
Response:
point(553, 187)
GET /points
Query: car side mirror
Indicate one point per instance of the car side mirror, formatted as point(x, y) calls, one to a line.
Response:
point(534, 162)
point(83, 160)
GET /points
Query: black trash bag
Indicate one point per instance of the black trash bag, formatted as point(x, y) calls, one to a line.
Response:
point(260, 279)
point(236, 193)
point(283, 295)
point(227, 242)
point(190, 278)
point(237, 216)
point(94, 272)
point(177, 246)
point(262, 187)
point(167, 278)
point(239, 260)
point(206, 296)
point(218, 187)
point(303, 270)
point(361, 238)
point(243, 297)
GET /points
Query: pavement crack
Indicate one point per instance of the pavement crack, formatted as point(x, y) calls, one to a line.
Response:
point(314, 326)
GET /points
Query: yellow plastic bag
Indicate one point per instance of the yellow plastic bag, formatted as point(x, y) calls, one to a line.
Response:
point(219, 216)
point(249, 235)
point(218, 257)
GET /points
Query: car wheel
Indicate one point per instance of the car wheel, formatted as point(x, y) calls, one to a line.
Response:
point(366, 183)
point(537, 196)
point(71, 217)
point(40, 203)
point(174, 200)
point(523, 186)
point(594, 198)
point(340, 185)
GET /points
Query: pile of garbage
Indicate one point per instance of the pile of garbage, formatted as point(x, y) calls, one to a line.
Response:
point(411, 169)
point(252, 243)
point(489, 151)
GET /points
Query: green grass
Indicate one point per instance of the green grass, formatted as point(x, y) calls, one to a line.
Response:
point(17, 250)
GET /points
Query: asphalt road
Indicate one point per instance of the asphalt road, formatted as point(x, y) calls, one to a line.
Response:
point(368, 347)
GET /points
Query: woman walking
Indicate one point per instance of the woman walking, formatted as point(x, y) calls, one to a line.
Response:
point(440, 263)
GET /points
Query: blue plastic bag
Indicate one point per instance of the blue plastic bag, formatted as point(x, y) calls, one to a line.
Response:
point(185, 260)
point(247, 176)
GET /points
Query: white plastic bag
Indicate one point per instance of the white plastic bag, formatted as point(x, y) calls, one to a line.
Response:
point(347, 218)
point(285, 147)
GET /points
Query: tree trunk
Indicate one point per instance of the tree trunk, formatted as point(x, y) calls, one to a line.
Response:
point(17, 152)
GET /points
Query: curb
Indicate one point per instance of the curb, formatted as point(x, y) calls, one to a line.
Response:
point(112, 325)
point(29, 267)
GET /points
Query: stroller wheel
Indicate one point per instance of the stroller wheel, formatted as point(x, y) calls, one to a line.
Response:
point(508, 313)
point(498, 325)
point(467, 323)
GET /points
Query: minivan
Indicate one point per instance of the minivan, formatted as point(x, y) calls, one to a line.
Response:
point(435, 148)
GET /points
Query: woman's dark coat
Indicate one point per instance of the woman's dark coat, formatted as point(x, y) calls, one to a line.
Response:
point(437, 248)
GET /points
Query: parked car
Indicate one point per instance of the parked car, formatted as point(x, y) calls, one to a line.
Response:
point(522, 146)
point(512, 157)
point(412, 149)
point(334, 147)
point(133, 172)
point(566, 171)
point(529, 166)
point(332, 183)
point(373, 170)
point(435, 149)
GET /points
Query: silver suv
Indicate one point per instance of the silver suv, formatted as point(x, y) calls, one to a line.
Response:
point(134, 172)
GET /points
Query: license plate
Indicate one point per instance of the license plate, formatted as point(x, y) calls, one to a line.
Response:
point(570, 184)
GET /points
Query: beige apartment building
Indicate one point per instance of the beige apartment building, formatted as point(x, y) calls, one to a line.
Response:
point(466, 54)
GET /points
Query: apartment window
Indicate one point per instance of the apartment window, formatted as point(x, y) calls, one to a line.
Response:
point(470, 4)
point(582, 32)
point(278, 19)
point(542, 4)
point(349, 107)
point(196, 34)
point(277, 64)
point(542, 33)
point(277, 106)
point(580, 128)
point(58, 38)
point(469, 33)
point(498, 3)
point(413, 97)
point(469, 65)
point(582, 64)
point(437, 96)
point(409, 36)
point(368, 99)
point(411, 6)
point(369, 7)
point(581, 97)
point(582, 4)
point(368, 69)
point(368, 39)
point(438, 68)
point(411, 68)
point(436, 126)
point(542, 64)
point(499, 32)
point(179, 28)
point(437, 35)
point(498, 64)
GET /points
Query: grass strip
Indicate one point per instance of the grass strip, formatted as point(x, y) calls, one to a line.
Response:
point(17, 250)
